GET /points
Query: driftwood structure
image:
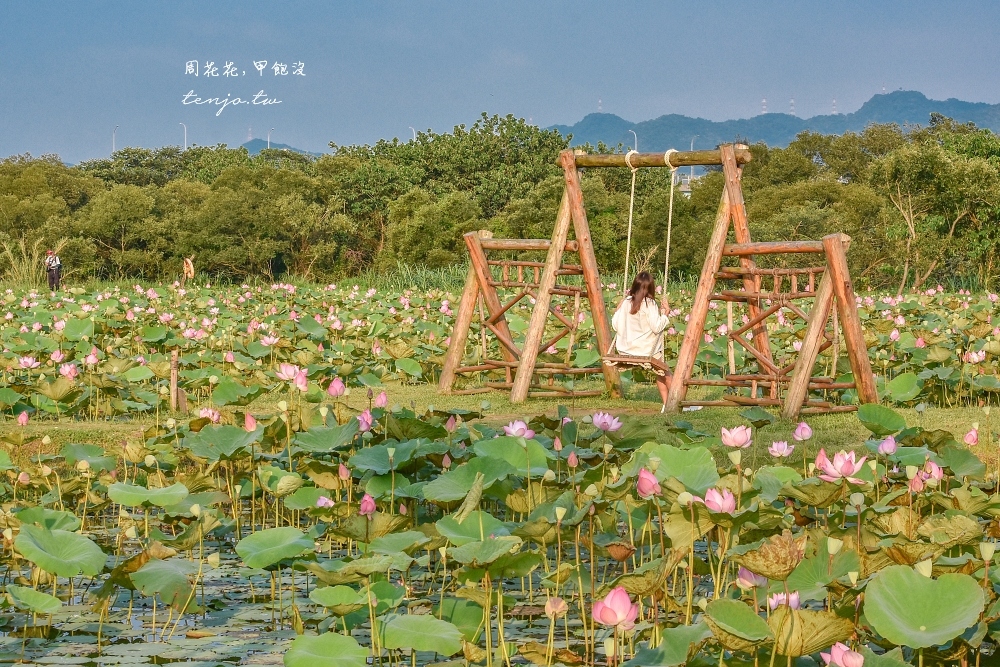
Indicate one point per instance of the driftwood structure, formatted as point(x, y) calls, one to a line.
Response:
point(764, 292)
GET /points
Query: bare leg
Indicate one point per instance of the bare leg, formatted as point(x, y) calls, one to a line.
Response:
point(663, 385)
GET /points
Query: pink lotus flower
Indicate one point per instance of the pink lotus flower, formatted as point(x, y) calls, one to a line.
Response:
point(91, 359)
point(446, 462)
point(606, 422)
point(747, 580)
point(933, 471)
point(843, 466)
point(920, 342)
point(738, 437)
point(381, 400)
point(779, 599)
point(22, 418)
point(572, 460)
point(557, 445)
point(268, 341)
point(336, 388)
point(229, 358)
point(450, 426)
point(802, 432)
point(57, 357)
point(887, 447)
point(68, 371)
point(894, 335)
point(323, 501)
point(916, 484)
point(23, 478)
point(722, 503)
point(287, 372)
point(971, 438)
point(616, 610)
point(301, 381)
point(518, 429)
point(841, 655)
point(27, 363)
point(780, 449)
point(365, 421)
point(211, 414)
point(343, 473)
point(647, 485)
point(367, 508)
point(249, 423)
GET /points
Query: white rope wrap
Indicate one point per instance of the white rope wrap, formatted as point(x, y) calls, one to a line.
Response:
point(631, 206)
point(666, 159)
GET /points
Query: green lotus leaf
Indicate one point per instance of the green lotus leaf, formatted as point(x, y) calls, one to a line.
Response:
point(477, 526)
point(326, 439)
point(60, 552)
point(136, 496)
point(694, 468)
point(880, 420)
point(912, 610)
point(92, 454)
point(674, 649)
point(455, 484)
point(736, 625)
point(479, 554)
point(269, 547)
point(51, 519)
point(221, 442)
point(173, 580)
point(516, 454)
point(339, 600)
point(23, 597)
point(419, 632)
point(329, 649)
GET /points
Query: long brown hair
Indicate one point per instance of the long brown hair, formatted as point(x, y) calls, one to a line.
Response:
point(643, 287)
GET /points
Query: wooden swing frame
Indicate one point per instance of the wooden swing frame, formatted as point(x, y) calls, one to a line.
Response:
point(786, 386)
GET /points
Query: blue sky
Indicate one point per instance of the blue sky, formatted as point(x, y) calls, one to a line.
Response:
point(70, 71)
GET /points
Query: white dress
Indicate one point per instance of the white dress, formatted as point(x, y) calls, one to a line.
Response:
point(641, 334)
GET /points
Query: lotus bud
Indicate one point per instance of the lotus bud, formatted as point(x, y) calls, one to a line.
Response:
point(925, 567)
point(83, 466)
point(149, 461)
point(857, 499)
point(324, 411)
point(171, 423)
point(549, 476)
point(684, 498)
point(442, 551)
point(237, 488)
point(608, 448)
point(283, 406)
point(196, 510)
point(853, 577)
point(8, 534)
point(736, 456)
point(213, 559)
point(561, 513)
point(213, 379)
point(131, 533)
point(391, 451)
point(46, 440)
point(46, 471)
point(591, 490)
point(748, 472)
point(873, 465)
point(911, 472)
point(833, 545)
point(987, 549)
point(283, 416)
point(609, 647)
point(975, 426)
point(812, 468)
point(614, 472)
point(653, 464)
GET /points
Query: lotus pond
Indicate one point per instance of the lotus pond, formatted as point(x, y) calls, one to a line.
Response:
point(286, 518)
point(106, 354)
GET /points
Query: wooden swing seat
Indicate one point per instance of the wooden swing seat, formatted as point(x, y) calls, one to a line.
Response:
point(651, 364)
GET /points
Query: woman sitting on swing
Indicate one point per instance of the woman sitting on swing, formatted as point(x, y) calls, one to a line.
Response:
point(639, 325)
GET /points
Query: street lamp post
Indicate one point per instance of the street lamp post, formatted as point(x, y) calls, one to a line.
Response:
point(269, 138)
point(414, 133)
point(113, 133)
point(185, 136)
point(692, 148)
point(636, 140)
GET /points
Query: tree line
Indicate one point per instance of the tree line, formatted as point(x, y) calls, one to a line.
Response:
point(922, 204)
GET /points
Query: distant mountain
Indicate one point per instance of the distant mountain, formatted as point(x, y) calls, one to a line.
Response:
point(775, 129)
point(255, 146)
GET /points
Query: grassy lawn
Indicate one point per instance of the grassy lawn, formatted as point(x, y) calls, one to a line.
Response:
point(839, 431)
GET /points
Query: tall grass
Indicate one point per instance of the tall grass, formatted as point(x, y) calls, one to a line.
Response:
point(404, 277)
point(24, 264)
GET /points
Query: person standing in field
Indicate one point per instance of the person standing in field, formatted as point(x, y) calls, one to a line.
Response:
point(53, 267)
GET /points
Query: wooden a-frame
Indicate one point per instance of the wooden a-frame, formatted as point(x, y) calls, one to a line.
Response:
point(787, 386)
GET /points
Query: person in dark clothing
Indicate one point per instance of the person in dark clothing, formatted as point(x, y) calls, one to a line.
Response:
point(53, 267)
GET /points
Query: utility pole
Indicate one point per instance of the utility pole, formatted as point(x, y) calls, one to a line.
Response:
point(185, 135)
point(113, 133)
